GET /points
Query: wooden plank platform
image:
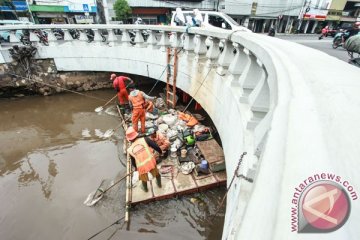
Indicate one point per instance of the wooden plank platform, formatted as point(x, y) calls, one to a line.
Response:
point(176, 184)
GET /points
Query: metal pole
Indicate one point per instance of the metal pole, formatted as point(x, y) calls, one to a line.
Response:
point(31, 16)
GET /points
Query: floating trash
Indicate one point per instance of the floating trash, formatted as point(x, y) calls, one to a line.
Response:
point(86, 133)
point(99, 133)
point(109, 133)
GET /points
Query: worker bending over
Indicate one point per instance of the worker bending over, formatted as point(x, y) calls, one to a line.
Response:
point(142, 157)
point(162, 141)
point(120, 86)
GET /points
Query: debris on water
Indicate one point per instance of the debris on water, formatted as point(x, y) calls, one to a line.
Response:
point(86, 133)
point(99, 133)
point(111, 111)
point(194, 200)
point(108, 133)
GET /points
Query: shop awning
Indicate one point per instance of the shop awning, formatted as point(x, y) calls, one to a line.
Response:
point(46, 8)
point(19, 6)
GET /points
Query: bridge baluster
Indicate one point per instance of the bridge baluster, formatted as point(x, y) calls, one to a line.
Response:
point(176, 40)
point(97, 37)
point(151, 41)
point(52, 40)
point(125, 39)
point(13, 37)
point(200, 46)
point(238, 64)
point(213, 52)
point(112, 39)
point(83, 37)
point(139, 39)
point(189, 44)
point(33, 37)
point(226, 57)
point(164, 41)
point(67, 35)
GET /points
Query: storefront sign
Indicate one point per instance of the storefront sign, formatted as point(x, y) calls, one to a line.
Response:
point(84, 19)
point(88, 6)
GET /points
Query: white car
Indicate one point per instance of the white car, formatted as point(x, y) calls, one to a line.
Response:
point(213, 20)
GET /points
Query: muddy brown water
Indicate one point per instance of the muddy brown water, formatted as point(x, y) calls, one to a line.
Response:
point(52, 155)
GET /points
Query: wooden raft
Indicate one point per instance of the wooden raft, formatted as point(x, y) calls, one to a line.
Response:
point(174, 182)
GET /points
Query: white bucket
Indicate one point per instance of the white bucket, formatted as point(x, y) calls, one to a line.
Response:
point(173, 153)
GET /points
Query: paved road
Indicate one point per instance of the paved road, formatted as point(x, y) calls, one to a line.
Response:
point(322, 45)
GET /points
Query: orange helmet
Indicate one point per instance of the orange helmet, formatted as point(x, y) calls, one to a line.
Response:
point(131, 134)
point(113, 76)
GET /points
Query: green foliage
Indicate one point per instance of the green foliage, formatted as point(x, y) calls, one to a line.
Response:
point(122, 9)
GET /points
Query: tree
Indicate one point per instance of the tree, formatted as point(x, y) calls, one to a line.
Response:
point(122, 9)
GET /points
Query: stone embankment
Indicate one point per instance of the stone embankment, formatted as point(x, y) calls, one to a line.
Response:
point(46, 80)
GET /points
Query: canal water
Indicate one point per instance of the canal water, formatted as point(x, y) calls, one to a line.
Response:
point(53, 154)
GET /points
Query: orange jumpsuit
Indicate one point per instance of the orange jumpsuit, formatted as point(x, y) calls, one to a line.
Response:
point(161, 140)
point(149, 106)
point(138, 113)
point(119, 84)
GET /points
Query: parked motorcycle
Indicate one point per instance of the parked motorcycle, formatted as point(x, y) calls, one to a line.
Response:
point(25, 38)
point(74, 33)
point(145, 34)
point(90, 35)
point(59, 34)
point(271, 32)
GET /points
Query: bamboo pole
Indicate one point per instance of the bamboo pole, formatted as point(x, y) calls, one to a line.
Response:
point(129, 177)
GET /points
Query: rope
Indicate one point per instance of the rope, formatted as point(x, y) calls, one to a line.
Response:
point(116, 222)
point(192, 99)
point(55, 86)
point(236, 174)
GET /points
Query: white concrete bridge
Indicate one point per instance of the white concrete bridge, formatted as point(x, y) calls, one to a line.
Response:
point(293, 109)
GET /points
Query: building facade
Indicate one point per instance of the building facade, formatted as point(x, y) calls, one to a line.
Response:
point(14, 10)
point(61, 12)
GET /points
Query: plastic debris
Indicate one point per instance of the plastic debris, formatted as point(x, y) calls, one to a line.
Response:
point(169, 119)
point(151, 116)
point(163, 128)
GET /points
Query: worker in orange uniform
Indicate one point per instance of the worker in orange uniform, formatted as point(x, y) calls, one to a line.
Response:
point(150, 108)
point(137, 100)
point(162, 141)
point(120, 86)
point(142, 157)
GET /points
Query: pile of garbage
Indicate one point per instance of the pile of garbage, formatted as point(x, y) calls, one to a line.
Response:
point(182, 129)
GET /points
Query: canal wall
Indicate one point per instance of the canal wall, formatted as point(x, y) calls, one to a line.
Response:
point(45, 79)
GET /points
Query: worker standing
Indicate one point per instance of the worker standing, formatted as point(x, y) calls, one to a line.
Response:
point(137, 100)
point(142, 157)
point(120, 86)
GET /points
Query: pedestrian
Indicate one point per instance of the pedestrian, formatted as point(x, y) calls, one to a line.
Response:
point(142, 157)
point(195, 20)
point(137, 104)
point(324, 32)
point(179, 17)
point(162, 141)
point(120, 87)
